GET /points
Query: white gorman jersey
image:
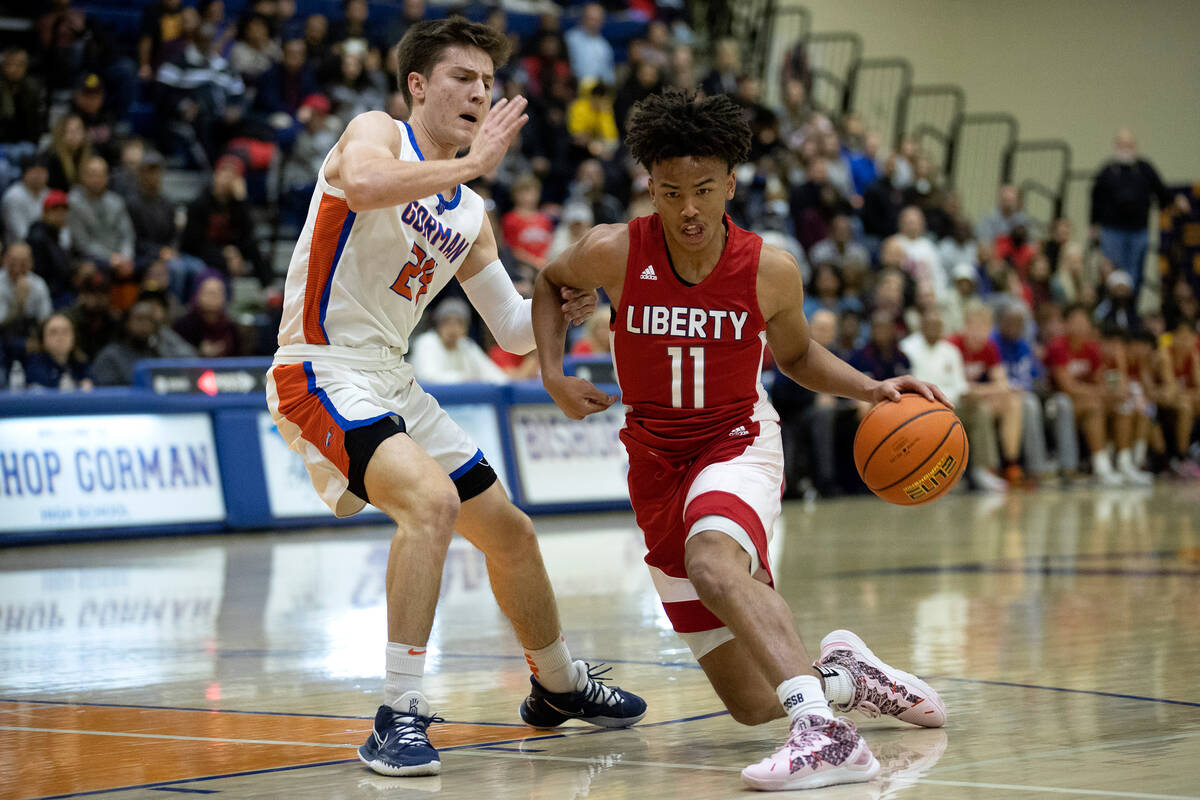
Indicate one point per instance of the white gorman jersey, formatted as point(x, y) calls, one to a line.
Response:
point(363, 279)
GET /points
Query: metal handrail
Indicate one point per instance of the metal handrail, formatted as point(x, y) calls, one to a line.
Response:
point(774, 17)
point(893, 62)
point(1037, 145)
point(823, 74)
point(907, 94)
point(976, 118)
point(1035, 187)
point(841, 83)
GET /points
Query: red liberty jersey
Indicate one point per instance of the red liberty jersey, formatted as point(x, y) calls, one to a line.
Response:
point(688, 357)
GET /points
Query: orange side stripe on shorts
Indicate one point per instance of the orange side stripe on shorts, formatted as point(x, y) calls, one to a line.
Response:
point(331, 215)
point(300, 403)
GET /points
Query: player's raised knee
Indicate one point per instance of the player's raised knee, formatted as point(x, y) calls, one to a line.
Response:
point(709, 566)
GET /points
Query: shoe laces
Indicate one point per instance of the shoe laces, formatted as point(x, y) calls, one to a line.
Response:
point(412, 728)
point(809, 737)
point(596, 690)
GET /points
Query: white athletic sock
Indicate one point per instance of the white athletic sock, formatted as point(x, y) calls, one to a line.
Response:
point(802, 696)
point(405, 664)
point(552, 667)
point(839, 686)
point(1139, 453)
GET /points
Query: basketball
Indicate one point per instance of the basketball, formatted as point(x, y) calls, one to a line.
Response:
point(911, 451)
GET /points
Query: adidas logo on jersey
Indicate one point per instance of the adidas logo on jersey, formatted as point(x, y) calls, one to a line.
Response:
point(740, 430)
point(648, 274)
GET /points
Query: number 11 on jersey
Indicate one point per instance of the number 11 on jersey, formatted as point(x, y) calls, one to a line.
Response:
point(697, 356)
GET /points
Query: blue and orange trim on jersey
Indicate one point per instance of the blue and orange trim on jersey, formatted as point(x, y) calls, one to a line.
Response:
point(330, 234)
point(443, 204)
point(306, 405)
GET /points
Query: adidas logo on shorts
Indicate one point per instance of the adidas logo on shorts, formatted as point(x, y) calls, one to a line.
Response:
point(648, 274)
point(740, 430)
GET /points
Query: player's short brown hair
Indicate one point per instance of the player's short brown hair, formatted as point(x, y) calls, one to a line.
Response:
point(679, 124)
point(424, 42)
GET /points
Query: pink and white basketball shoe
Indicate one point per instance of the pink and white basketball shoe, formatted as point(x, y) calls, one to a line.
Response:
point(878, 688)
point(819, 752)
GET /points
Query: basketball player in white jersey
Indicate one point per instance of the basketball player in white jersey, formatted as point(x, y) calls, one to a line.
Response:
point(389, 224)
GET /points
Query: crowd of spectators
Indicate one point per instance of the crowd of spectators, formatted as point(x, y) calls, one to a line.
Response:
point(1060, 362)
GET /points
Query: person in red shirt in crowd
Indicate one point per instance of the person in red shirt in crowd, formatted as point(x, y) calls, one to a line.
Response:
point(987, 384)
point(526, 229)
point(1077, 367)
point(1016, 249)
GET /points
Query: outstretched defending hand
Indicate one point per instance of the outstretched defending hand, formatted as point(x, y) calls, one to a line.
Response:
point(497, 132)
point(577, 398)
point(578, 305)
point(892, 388)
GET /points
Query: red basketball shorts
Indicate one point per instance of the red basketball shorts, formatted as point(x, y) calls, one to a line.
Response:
point(737, 478)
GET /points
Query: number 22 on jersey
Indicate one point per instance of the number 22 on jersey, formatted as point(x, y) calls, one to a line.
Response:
point(696, 355)
point(420, 267)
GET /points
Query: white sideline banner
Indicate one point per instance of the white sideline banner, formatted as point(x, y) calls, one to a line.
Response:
point(562, 460)
point(108, 470)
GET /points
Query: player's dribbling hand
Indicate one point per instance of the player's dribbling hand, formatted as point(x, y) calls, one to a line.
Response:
point(577, 398)
point(578, 305)
point(497, 132)
point(892, 388)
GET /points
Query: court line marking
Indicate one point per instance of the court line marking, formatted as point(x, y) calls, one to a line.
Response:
point(963, 784)
point(1016, 567)
point(224, 711)
point(1065, 690)
point(180, 781)
point(1062, 751)
point(229, 740)
point(131, 735)
point(164, 784)
point(1013, 787)
point(598, 759)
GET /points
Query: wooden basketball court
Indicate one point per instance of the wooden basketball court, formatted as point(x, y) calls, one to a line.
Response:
point(1062, 628)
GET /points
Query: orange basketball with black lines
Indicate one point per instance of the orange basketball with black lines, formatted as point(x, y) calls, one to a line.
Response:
point(910, 451)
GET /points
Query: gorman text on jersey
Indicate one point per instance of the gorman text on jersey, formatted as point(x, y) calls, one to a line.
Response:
point(448, 241)
point(684, 322)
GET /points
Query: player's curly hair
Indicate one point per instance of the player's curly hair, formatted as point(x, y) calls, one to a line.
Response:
point(678, 124)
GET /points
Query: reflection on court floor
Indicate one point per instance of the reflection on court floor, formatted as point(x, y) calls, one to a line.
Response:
point(1061, 628)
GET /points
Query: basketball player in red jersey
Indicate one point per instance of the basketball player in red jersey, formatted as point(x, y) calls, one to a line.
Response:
point(696, 300)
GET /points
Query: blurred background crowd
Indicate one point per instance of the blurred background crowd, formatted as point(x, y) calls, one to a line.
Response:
point(156, 174)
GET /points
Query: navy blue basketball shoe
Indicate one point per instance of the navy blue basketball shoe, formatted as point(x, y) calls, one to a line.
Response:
point(592, 701)
point(399, 743)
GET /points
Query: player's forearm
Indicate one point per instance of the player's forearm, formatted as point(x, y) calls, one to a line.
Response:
point(378, 182)
point(822, 371)
point(549, 327)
